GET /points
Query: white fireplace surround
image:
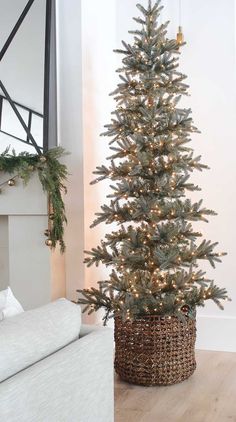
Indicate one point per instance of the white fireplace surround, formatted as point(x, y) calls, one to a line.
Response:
point(26, 264)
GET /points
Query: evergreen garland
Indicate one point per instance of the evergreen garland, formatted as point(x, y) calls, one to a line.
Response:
point(52, 175)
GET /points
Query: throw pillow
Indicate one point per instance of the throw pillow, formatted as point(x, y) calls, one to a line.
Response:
point(9, 305)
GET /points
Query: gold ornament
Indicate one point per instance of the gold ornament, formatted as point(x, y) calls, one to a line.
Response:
point(51, 216)
point(48, 242)
point(42, 159)
point(11, 182)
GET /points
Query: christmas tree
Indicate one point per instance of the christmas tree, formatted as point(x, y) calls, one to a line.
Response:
point(154, 252)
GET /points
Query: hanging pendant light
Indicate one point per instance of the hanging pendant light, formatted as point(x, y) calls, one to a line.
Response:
point(180, 35)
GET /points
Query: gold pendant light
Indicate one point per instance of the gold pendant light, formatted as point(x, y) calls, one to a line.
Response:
point(180, 35)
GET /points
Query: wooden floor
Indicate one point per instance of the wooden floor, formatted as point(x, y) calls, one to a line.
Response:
point(208, 396)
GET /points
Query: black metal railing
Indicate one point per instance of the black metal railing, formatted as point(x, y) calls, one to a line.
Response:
point(16, 107)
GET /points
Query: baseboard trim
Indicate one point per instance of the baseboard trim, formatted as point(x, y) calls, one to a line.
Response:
point(216, 333)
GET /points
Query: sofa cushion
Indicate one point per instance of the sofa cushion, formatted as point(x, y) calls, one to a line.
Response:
point(31, 336)
point(9, 305)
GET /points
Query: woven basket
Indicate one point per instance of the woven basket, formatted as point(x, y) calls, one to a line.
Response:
point(155, 350)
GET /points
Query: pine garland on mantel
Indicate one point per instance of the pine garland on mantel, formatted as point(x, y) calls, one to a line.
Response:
point(52, 175)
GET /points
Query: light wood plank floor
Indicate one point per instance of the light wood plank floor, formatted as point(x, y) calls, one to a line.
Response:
point(208, 396)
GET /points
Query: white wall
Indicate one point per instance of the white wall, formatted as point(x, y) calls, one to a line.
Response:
point(98, 66)
point(70, 136)
point(209, 60)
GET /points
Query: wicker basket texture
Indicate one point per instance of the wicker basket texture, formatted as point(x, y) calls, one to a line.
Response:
point(155, 350)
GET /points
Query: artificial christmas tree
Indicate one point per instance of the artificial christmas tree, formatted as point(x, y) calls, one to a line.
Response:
point(155, 284)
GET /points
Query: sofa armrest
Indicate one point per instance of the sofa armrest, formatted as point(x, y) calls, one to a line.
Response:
point(88, 329)
point(74, 384)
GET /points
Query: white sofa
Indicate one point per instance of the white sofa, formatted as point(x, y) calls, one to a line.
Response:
point(51, 370)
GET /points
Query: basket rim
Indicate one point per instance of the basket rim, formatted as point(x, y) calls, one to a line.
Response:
point(154, 317)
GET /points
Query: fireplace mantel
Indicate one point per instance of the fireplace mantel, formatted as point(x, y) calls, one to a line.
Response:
point(35, 274)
